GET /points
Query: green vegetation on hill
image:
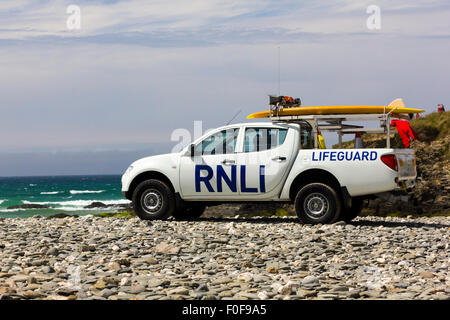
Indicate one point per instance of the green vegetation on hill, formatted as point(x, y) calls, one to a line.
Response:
point(433, 126)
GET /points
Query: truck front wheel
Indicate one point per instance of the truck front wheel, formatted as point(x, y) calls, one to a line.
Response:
point(317, 203)
point(153, 199)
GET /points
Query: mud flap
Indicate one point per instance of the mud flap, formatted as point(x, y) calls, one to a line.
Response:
point(346, 198)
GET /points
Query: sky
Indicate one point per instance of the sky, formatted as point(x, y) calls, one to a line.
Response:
point(135, 71)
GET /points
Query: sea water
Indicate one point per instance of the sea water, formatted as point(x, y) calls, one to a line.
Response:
point(61, 194)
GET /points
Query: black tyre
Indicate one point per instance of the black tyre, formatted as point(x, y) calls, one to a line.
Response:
point(153, 200)
point(190, 212)
point(317, 203)
point(352, 212)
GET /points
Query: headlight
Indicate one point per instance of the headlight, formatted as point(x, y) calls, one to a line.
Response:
point(129, 169)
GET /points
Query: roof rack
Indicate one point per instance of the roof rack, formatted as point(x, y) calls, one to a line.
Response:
point(335, 123)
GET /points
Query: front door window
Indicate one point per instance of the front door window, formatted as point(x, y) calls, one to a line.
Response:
point(222, 142)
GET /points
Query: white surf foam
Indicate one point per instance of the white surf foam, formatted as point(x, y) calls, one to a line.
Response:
point(75, 208)
point(76, 205)
point(51, 192)
point(85, 191)
point(1, 201)
point(79, 202)
point(11, 210)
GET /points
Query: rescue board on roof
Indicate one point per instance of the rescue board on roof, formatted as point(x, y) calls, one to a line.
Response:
point(395, 107)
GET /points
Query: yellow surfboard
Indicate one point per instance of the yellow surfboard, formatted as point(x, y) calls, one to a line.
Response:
point(396, 106)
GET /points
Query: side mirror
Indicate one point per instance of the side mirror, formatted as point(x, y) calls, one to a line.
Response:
point(192, 147)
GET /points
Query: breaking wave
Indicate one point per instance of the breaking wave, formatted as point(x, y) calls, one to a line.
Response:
point(85, 191)
point(10, 210)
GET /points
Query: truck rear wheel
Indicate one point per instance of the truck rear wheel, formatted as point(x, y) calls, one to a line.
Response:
point(317, 203)
point(153, 199)
point(190, 212)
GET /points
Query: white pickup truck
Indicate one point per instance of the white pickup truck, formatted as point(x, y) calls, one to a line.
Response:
point(267, 161)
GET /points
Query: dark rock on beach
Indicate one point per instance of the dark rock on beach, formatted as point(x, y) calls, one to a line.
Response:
point(96, 204)
point(61, 215)
point(28, 206)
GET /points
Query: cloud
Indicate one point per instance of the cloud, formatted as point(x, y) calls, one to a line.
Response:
point(182, 38)
point(177, 21)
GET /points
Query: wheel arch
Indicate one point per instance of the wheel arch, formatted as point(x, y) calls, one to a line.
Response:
point(311, 176)
point(147, 175)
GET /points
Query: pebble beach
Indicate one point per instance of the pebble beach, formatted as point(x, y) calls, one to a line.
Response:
point(255, 258)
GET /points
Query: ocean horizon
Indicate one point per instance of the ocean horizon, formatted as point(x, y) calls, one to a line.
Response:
point(69, 194)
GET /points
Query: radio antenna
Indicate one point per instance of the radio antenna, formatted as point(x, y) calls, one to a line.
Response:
point(279, 71)
point(234, 117)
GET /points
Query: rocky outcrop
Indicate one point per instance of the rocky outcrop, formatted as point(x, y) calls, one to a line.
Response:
point(432, 191)
point(431, 194)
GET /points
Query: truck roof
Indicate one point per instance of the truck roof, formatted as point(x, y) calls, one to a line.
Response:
point(262, 124)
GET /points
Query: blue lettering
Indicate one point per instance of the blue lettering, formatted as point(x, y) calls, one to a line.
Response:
point(347, 155)
point(198, 178)
point(243, 186)
point(351, 155)
point(373, 155)
point(333, 156)
point(262, 179)
point(221, 174)
point(365, 155)
point(313, 157)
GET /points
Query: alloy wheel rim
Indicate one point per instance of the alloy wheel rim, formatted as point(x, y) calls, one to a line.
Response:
point(151, 201)
point(316, 205)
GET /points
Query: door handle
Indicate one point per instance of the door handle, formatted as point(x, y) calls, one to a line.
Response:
point(279, 159)
point(228, 161)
